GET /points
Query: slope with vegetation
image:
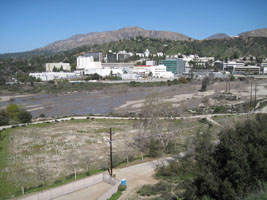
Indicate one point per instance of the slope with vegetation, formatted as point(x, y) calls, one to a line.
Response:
point(236, 168)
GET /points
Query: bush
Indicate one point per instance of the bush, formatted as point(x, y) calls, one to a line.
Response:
point(205, 83)
point(3, 118)
point(24, 116)
point(42, 115)
point(122, 187)
point(155, 148)
point(183, 80)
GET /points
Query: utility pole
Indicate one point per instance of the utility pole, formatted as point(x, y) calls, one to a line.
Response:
point(110, 147)
point(255, 100)
point(250, 94)
point(229, 85)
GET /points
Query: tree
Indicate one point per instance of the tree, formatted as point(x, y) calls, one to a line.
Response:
point(18, 172)
point(205, 83)
point(3, 118)
point(12, 111)
point(73, 161)
point(235, 166)
point(24, 116)
point(41, 170)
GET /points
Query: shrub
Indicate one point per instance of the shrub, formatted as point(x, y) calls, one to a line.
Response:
point(122, 187)
point(205, 83)
point(24, 116)
point(183, 80)
point(3, 118)
point(42, 115)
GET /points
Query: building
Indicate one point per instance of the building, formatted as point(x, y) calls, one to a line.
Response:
point(98, 56)
point(203, 60)
point(49, 67)
point(84, 62)
point(160, 54)
point(141, 55)
point(147, 53)
point(111, 57)
point(160, 71)
point(47, 76)
point(126, 67)
point(151, 62)
point(230, 65)
point(123, 55)
point(130, 76)
point(142, 70)
point(176, 66)
point(100, 71)
point(244, 70)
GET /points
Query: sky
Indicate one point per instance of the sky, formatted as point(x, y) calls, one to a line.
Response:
point(29, 24)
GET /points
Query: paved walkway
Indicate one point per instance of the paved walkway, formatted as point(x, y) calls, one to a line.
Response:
point(90, 193)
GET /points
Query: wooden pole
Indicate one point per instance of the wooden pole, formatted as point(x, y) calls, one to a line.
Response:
point(110, 137)
point(255, 100)
point(250, 102)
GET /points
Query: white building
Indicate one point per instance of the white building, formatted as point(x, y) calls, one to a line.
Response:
point(160, 71)
point(50, 66)
point(150, 62)
point(85, 62)
point(47, 76)
point(245, 70)
point(130, 76)
point(147, 53)
point(141, 55)
point(160, 54)
point(142, 70)
point(228, 65)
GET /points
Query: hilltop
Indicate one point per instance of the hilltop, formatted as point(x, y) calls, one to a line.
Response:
point(93, 38)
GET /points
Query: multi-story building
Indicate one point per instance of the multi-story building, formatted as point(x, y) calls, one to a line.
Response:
point(84, 62)
point(244, 70)
point(98, 56)
point(230, 65)
point(49, 67)
point(176, 66)
point(111, 57)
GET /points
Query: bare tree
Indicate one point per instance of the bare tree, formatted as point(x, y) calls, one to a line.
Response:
point(73, 161)
point(19, 173)
point(87, 160)
point(41, 170)
point(141, 139)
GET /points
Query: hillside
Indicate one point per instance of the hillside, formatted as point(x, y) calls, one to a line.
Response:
point(110, 36)
point(223, 48)
point(217, 36)
point(255, 33)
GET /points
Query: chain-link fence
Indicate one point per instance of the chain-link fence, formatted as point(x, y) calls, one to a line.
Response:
point(72, 187)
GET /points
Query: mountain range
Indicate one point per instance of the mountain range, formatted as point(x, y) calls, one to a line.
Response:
point(127, 33)
point(110, 36)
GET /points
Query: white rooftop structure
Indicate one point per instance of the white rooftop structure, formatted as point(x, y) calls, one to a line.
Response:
point(47, 76)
